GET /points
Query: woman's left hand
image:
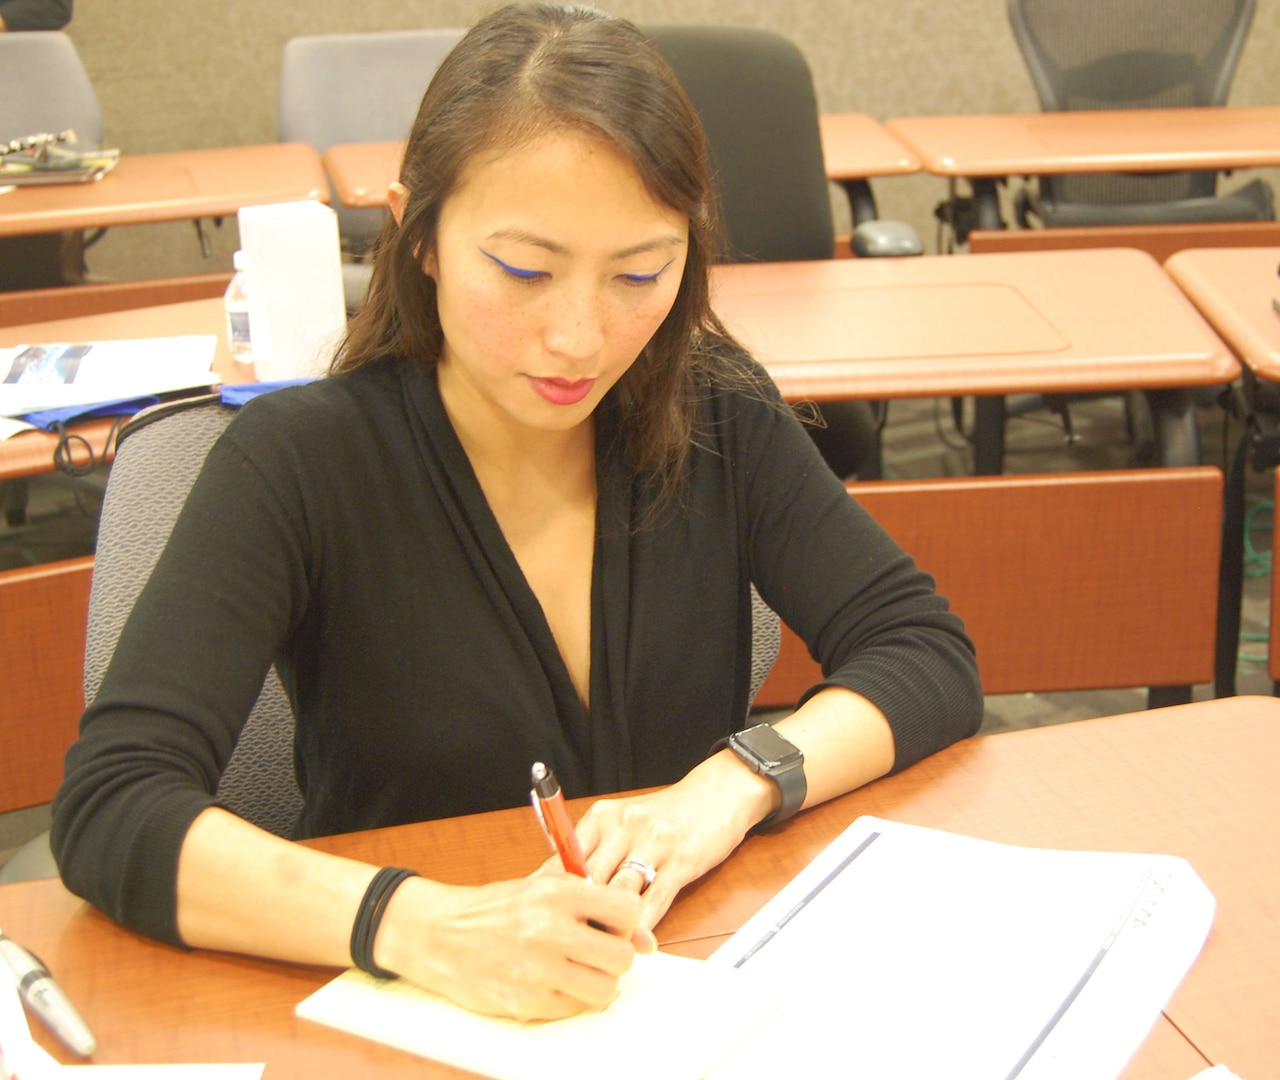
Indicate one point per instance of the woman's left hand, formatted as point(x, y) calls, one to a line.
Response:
point(678, 833)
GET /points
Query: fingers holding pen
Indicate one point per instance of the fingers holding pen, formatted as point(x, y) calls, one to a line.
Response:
point(526, 949)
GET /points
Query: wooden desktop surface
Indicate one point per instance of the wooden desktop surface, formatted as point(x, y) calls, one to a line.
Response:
point(1195, 780)
point(1235, 288)
point(176, 186)
point(1062, 321)
point(32, 452)
point(1132, 140)
point(854, 147)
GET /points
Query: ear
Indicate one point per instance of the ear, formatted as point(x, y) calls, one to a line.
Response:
point(398, 197)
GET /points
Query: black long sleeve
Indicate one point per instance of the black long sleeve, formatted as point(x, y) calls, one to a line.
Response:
point(338, 531)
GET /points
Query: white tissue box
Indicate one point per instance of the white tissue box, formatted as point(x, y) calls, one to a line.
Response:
point(293, 270)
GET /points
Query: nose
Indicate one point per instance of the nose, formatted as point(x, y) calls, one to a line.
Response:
point(575, 322)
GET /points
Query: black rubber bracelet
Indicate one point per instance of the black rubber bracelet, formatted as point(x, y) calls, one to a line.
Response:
point(369, 917)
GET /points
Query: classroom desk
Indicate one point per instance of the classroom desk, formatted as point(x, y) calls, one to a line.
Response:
point(983, 149)
point(932, 326)
point(178, 186)
point(1234, 288)
point(31, 453)
point(986, 325)
point(855, 147)
point(1194, 780)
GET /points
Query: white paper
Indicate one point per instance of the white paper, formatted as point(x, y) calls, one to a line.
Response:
point(674, 1018)
point(932, 954)
point(56, 375)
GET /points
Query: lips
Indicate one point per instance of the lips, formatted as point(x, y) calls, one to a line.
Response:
point(562, 391)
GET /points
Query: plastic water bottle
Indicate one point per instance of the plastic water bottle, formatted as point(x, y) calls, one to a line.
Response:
point(236, 302)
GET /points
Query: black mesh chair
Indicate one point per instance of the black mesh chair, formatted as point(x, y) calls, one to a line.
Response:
point(1134, 54)
point(754, 93)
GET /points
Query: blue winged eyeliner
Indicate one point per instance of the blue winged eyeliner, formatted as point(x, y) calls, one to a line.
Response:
point(530, 275)
point(514, 271)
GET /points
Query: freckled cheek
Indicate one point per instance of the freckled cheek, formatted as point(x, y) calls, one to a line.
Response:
point(495, 326)
point(633, 328)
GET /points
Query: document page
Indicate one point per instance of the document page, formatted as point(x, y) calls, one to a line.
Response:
point(674, 1018)
point(908, 952)
point(54, 376)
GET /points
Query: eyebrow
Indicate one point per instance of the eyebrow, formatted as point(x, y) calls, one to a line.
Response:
point(522, 236)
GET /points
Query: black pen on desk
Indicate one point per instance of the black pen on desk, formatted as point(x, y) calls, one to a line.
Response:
point(46, 999)
point(553, 816)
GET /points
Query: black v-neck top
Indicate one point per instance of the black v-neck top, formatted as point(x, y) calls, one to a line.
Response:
point(339, 531)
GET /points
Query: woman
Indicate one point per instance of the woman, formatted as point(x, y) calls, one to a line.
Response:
point(518, 523)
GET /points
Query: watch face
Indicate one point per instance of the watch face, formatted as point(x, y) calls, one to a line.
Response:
point(767, 745)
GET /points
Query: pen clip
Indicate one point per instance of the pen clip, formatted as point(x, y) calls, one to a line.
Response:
point(537, 810)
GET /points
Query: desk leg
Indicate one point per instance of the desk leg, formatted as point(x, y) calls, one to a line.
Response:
point(1231, 573)
point(1177, 430)
point(988, 435)
point(986, 204)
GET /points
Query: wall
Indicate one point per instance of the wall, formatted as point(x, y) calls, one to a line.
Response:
point(174, 74)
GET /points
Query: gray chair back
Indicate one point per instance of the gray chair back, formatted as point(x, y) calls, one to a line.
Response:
point(1135, 54)
point(159, 455)
point(357, 87)
point(45, 88)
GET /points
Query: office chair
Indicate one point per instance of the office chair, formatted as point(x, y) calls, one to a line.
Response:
point(159, 454)
point(45, 88)
point(1131, 54)
point(1134, 54)
point(357, 87)
point(754, 93)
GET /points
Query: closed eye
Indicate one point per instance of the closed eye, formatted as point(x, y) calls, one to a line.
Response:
point(644, 279)
point(516, 272)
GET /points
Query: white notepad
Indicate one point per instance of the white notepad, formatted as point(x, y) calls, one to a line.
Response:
point(674, 1018)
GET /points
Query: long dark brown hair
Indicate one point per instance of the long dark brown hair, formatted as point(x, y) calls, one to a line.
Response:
point(520, 72)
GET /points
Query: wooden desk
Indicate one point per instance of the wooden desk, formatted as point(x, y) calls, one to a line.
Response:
point(990, 325)
point(855, 146)
point(178, 186)
point(1234, 288)
point(983, 149)
point(32, 452)
point(1196, 781)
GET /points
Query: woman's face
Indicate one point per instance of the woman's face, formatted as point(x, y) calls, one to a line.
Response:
point(553, 268)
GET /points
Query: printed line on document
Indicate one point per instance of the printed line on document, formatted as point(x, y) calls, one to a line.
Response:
point(772, 932)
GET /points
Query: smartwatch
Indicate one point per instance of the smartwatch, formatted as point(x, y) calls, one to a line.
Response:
point(767, 753)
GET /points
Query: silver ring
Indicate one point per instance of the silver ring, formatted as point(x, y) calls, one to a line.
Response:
point(646, 872)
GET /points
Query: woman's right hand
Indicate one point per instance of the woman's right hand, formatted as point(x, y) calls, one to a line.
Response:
point(522, 949)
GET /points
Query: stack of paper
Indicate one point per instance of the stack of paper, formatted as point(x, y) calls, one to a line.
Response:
point(909, 952)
